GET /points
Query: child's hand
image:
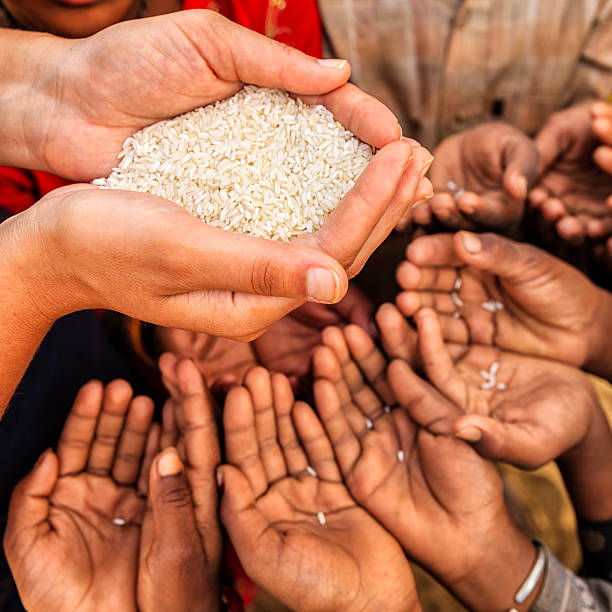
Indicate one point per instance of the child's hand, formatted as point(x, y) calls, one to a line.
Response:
point(574, 185)
point(517, 409)
point(433, 492)
point(493, 291)
point(181, 543)
point(481, 177)
point(80, 508)
point(295, 527)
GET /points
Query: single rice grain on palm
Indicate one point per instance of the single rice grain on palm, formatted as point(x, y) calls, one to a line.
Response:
point(259, 163)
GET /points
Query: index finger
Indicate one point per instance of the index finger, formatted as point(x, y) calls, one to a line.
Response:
point(366, 117)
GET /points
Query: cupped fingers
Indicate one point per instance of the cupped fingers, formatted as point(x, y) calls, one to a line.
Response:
point(603, 158)
point(132, 443)
point(366, 117)
point(294, 455)
point(444, 209)
point(373, 364)
point(316, 443)
point(398, 338)
point(410, 188)
point(414, 277)
point(436, 359)
point(78, 432)
point(241, 443)
point(345, 442)
point(409, 302)
point(259, 383)
point(117, 396)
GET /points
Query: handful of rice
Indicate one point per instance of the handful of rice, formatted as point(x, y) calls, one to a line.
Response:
point(258, 163)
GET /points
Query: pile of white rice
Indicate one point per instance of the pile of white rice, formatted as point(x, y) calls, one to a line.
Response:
point(258, 163)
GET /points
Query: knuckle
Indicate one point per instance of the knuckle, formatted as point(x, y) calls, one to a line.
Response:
point(176, 494)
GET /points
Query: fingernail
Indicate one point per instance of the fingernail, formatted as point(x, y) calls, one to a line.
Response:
point(425, 198)
point(520, 182)
point(219, 475)
point(322, 285)
point(470, 434)
point(471, 242)
point(332, 63)
point(169, 464)
point(426, 166)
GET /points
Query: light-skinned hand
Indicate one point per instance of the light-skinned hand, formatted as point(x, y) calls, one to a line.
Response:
point(480, 178)
point(549, 308)
point(168, 64)
point(281, 474)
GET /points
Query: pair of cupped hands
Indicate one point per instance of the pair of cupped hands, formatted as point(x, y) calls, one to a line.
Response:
point(322, 506)
point(94, 248)
point(69, 109)
point(485, 176)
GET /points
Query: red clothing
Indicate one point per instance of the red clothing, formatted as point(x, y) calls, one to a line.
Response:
point(293, 22)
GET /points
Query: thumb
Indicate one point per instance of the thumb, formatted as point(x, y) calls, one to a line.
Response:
point(171, 504)
point(520, 161)
point(247, 527)
point(497, 255)
point(496, 440)
point(29, 506)
point(243, 55)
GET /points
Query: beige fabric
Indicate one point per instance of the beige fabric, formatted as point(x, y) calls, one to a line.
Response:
point(441, 65)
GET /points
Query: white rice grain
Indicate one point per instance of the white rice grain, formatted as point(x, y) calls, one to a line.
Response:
point(258, 163)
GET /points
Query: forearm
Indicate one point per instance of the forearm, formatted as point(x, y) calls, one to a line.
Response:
point(563, 591)
point(28, 86)
point(22, 308)
point(502, 569)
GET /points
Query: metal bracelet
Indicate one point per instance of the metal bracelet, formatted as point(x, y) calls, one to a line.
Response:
point(534, 576)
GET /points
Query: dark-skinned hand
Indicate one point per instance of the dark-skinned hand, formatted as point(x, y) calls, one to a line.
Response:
point(281, 474)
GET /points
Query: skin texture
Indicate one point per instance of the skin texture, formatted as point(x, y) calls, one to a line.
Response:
point(60, 534)
point(547, 411)
point(201, 57)
point(64, 549)
point(493, 164)
point(550, 309)
point(181, 536)
point(56, 255)
point(270, 504)
point(574, 183)
point(446, 523)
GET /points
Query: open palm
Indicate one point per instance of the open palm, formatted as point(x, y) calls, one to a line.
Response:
point(548, 308)
point(405, 459)
point(85, 524)
point(519, 409)
point(296, 529)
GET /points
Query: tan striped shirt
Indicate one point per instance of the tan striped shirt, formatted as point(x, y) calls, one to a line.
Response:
point(445, 65)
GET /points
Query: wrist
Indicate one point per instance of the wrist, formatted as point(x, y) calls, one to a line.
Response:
point(29, 71)
point(492, 584)
point(32, 272)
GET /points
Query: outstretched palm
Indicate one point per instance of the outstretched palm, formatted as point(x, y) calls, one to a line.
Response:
point(295, 527)
point(536, 305)
point(89, 527)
